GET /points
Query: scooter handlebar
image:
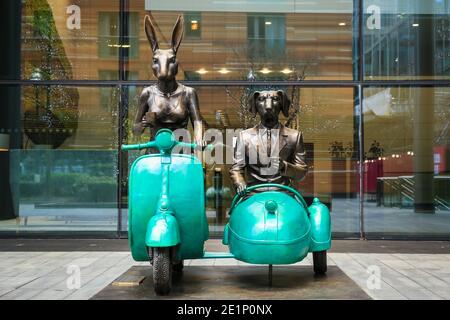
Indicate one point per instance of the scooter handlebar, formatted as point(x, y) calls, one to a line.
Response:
point(152, 144)
point(165, 142)
point(195, 146)
point(128, 147)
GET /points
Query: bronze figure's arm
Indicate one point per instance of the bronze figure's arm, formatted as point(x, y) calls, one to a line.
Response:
point(298, 168)
point(140, 122)
point(194, 115)
point(237, 171)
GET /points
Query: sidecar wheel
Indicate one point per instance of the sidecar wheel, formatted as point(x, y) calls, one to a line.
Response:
point(320, 262)
point(162, 271)
point(178, 267)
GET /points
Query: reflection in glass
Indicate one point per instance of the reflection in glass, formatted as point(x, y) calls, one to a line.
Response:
point(62, 39)
point(326, 118)
point(255, 39)
point(61, 164)
point(407, 39)
point(407, 163)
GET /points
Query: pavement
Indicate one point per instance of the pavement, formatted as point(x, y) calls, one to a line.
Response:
point(84, 269)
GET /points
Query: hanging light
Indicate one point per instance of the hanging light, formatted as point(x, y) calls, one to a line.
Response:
point(4, 142)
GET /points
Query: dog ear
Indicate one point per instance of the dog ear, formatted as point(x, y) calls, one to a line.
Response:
point(251, 107)
point(150, 32)
point(286, 103)
point(177, 34)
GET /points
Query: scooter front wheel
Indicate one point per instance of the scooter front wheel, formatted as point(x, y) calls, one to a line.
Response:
point(162, 271)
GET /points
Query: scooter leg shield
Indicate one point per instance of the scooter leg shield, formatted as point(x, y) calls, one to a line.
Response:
point(162, 231)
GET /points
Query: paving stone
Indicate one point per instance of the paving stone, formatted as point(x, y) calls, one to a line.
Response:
point(43, 275)
point(225, 262)
point(52, 294)
point(404, 285)
point(202, 262)
point(358, 273)
point(20, 294)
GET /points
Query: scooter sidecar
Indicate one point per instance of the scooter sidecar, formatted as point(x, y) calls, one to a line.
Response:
point(275, 227)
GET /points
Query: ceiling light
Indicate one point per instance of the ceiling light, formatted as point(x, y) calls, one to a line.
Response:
point(194, 25)
point(202, 71)
point(268, 23)
point(4, 142)
point(415, 24)
point(286, 71)
point(224, 71)
point(265, 71)
point(342, 24)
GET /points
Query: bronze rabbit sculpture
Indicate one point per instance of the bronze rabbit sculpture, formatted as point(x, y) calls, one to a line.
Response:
point(168, 103)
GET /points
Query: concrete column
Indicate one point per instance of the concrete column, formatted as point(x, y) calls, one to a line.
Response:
point(10, 23)
point(424, 115)
point(423, 151)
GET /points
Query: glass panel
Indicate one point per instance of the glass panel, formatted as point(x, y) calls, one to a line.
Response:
point(58, 147)
point(258, 40)
point(407, 161)
point(326, 118)
point(406, 39)
point(62, 40)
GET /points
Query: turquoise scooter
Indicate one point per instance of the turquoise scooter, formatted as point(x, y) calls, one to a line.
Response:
point(167, 220)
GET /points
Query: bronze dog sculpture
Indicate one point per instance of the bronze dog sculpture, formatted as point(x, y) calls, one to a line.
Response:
point(168, 103)
point(268, 152)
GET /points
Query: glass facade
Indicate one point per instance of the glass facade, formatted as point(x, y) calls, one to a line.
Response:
point(369, 82)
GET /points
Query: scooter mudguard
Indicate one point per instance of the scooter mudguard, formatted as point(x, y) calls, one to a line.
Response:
point(162, 231)
point(320, 219)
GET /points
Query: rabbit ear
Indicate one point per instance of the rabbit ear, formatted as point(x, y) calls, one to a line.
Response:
point(177, 33)
point(286, 102)
point(151, 34)
point(251, 102)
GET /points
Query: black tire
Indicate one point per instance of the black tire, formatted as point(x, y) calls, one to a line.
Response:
point(320, 262)
point(162, 271)
point(178, 267)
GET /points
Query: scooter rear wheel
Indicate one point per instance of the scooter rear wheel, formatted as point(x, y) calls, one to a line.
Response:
point(320, 262)
point(162, 271)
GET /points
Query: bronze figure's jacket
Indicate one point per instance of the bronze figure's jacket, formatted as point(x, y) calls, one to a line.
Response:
point(291, 153)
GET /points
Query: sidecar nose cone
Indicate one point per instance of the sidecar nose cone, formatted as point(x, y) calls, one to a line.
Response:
point(271, 206)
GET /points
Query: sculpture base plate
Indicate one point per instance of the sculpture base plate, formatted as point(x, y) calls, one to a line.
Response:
point(235, 282)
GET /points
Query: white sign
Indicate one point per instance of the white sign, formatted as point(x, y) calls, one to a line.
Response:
point(73, 282)
point(374, 20)
point(74, 20)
